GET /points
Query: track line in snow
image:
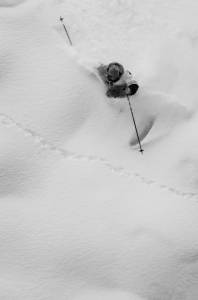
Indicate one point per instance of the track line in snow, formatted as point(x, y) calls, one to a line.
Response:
point(119, 170)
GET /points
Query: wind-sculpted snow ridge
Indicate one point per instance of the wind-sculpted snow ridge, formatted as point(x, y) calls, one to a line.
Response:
point(10, 3)
point(119, 170)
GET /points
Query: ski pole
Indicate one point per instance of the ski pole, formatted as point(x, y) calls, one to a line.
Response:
point(61, 19)
point(133, 118)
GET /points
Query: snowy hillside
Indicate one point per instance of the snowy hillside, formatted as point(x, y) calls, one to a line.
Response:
point(83, 214)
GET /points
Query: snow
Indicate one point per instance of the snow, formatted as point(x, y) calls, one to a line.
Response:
point(83, 214)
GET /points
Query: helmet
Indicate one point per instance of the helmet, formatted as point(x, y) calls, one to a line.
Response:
point(114, 71)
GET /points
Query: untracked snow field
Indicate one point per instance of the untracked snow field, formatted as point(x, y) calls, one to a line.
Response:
point(83, 215)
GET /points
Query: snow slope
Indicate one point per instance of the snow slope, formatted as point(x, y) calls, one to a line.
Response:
point(83, 214)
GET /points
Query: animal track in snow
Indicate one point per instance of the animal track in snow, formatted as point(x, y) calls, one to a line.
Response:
point(119, 170)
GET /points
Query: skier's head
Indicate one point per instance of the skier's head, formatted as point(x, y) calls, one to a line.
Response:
point(114, 71)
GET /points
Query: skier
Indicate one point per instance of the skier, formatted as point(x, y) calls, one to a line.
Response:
point(119, 82)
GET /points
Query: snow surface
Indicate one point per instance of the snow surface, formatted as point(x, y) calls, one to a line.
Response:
point(83, 214)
